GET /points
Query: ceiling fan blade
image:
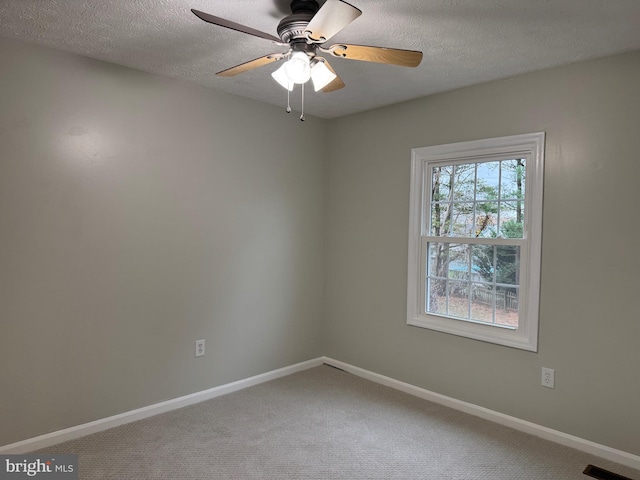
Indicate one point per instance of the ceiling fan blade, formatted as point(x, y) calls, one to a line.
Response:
point(234, 26)
point(332, 17)
point(337, 82)
point(392, 56)
point(251, 64)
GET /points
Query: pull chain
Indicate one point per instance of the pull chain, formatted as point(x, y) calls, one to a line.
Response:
point(288, 56)
point(302, 115)
point(288, 103)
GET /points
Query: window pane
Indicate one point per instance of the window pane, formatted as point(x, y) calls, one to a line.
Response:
point(508, 265)
point(464, 182)
point(486, 223)
point(449, 261)
point(482, 302)
point(482, 266)
point(438, 260)
point(440, 219)
point(511, 219)
point(441, 183)
point(507, 306)
point(436, 296)
point(513, 179)
point(459, 299)
point(462, 220)
point(488, 181)
point(459, 262)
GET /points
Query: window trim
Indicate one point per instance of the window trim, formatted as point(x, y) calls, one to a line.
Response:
point(529, 146)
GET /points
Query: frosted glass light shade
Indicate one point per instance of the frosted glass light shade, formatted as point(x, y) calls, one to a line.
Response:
point(280, 76)
point(298, 69)
point(321, 76)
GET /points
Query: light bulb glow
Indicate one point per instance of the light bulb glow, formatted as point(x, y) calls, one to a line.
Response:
point(321, 76)
point(280, 76)
point(298, 69)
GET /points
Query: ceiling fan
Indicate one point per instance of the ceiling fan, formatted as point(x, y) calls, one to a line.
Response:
point(305, 31)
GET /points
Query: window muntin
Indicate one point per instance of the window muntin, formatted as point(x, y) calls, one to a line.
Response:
point(475, 239)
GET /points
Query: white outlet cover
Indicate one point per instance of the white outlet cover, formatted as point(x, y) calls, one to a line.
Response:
point(548, 377)
point(200, 348)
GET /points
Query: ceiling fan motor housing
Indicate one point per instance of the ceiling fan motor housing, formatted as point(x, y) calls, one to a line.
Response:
point(291, 28)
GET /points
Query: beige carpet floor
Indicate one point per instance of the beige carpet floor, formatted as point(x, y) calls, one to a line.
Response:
point(323, 424)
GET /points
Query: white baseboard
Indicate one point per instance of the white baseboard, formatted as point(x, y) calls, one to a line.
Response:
point(49, 439)
point(592, 448)
point(44, 441)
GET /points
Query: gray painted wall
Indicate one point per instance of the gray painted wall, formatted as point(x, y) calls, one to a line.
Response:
point(589, 328)
point(138, 214)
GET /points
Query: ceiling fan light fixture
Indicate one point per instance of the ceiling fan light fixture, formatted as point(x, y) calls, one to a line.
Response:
point(280, 76)
point(298, 69)
point(321, 76)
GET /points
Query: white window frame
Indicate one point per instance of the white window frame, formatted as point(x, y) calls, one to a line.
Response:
point(528, 146)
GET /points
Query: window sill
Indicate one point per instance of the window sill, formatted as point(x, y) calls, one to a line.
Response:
point(496, 334)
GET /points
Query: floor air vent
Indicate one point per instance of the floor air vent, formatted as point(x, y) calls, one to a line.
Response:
point(602, 474)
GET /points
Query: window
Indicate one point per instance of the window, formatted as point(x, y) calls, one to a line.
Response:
point(475, 239)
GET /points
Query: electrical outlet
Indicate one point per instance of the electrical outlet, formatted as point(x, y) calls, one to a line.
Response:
point(548, 377)
point(199, 348)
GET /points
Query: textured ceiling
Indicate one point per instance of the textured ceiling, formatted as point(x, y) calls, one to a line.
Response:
point(464, 41)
